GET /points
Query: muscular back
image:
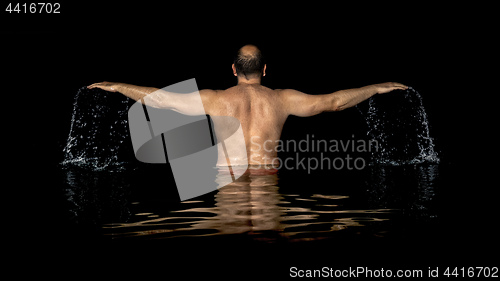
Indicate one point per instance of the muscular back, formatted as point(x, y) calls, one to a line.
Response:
point(261, 113)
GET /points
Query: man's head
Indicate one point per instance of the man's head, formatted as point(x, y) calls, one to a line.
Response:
point(249, 63)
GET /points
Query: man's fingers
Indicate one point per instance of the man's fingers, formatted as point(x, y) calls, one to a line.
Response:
point(93, 85)
point(400, 86)
point(106, 86)
point(97, 85)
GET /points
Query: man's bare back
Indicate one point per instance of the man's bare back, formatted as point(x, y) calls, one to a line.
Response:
point(261, 114)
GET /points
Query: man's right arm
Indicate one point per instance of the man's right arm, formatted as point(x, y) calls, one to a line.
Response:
point(134, 92)
point(197, 103)
point(304, 105)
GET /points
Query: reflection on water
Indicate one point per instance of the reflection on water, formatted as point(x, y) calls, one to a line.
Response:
point(410, 188)
point(95, 197)
point(257, 206)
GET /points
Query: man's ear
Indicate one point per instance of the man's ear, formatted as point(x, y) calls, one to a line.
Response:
point(264, 70)
point(234, 70)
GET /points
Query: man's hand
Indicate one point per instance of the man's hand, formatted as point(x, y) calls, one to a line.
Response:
point(106, 86)
point(383, 88)
point(134, 92)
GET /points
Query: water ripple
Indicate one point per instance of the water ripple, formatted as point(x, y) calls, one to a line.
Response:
point(254, 210)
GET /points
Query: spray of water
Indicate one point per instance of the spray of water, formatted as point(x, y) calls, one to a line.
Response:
point(399, 124)
point(98, 132)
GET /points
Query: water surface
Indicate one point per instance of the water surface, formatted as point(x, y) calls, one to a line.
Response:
point(380, 203)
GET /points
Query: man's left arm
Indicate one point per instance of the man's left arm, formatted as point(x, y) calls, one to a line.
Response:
point(304, 105)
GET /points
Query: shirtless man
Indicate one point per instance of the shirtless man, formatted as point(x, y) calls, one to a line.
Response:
point(260, 110)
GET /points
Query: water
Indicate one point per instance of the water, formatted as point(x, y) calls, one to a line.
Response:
point(259, 206)
point(254, 206)
point(99, 131)
point(400, 125)
point(396, 193)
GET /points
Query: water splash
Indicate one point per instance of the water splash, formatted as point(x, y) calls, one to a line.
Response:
point(400, 125)
point(99, 131)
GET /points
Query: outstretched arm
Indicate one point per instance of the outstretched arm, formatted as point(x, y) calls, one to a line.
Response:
point(188, 104)
point(304, 105)
point(132, 91)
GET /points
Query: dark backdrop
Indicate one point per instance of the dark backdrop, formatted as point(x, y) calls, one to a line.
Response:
point(316, 51)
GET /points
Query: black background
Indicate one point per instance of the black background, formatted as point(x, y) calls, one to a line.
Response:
point(439, 51)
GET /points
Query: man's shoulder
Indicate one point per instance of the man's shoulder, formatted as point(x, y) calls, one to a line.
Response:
point(286, 94)
point(222, 91)
point(287, 91)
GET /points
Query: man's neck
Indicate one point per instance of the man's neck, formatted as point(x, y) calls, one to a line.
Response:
point(251, 81)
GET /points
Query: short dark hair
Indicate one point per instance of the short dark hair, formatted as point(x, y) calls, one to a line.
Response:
point(249, 65)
